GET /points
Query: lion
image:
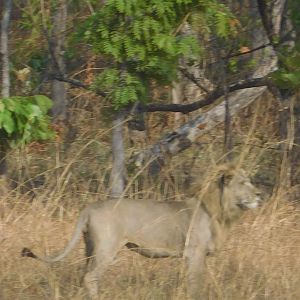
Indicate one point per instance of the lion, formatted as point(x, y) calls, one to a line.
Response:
point(191, 229)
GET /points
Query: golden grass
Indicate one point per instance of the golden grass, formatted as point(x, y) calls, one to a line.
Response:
point(260, 260)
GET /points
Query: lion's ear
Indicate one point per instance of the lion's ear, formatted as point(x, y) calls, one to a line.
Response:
point(226, 172)
point(226, 177)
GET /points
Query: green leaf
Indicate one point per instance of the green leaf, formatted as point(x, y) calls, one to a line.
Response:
point(2, 106)
point(11, 103)
point(43, 102)
point(8, 122)
point(292, 78)
point(25, 118)
point(222, 24)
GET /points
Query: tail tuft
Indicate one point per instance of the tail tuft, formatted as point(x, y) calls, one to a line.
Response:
point(28, 253)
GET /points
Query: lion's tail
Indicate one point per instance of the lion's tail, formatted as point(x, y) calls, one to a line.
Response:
point(80, 226)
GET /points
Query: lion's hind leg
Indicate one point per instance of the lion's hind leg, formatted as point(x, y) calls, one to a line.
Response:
point(104, 254)
point(89, 249)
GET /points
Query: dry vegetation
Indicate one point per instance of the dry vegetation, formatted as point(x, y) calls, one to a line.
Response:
point(259, 261)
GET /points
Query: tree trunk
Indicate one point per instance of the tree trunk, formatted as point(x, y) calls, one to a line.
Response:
point(177, 96)
point(117, 177)
point(4, 48)
point(59, 94)
point(5, 83)
point(279, 26)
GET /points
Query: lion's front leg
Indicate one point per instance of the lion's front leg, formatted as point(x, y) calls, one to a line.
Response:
point(195, 267)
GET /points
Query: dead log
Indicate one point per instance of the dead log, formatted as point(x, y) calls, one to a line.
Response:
point(183, 137)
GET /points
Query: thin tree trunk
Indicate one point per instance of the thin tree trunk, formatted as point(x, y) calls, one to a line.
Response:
point(279, 26)
point(5, 79)
point(117, 178)
point(177, 96)
point(59, 94)
point(4, 48)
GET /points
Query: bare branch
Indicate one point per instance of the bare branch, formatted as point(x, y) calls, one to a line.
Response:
point(192, 78)
point(249, 51)
point(77, 83)
point(209, 99)
point(187, 134)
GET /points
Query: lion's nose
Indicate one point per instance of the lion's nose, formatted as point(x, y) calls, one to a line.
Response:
point(259, 198)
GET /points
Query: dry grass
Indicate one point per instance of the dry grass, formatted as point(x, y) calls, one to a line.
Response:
point(259, 261)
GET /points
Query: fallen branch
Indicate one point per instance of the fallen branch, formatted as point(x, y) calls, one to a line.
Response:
point(187, 134)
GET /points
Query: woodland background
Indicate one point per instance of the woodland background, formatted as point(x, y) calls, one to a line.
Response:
point(141, 99)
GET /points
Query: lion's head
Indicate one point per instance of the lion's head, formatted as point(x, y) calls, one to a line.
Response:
point(229, 193)
point(238, 191)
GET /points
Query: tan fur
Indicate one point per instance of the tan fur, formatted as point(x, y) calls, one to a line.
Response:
point(191, 229)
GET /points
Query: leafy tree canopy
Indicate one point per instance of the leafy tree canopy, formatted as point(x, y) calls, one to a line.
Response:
point(143, 41)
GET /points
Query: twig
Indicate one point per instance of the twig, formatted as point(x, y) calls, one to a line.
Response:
point(192, 78)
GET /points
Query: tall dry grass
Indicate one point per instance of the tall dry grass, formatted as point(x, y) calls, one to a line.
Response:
point(260, 260)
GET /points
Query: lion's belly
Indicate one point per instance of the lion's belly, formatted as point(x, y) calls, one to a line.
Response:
point(160, 240)
point(152, 229)
point(155, 252)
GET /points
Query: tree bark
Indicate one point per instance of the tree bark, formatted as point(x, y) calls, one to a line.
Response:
point(177, 97)
point(4, 48)
point(5, 81)
point(117, 177)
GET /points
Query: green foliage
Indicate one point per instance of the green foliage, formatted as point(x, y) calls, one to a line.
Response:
point(144, 40)
point(233, 65)
point(294, 13)
point(222, 20)
point(30, 24)
point(121, 86)
point(24, 119)
point(288, 76)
